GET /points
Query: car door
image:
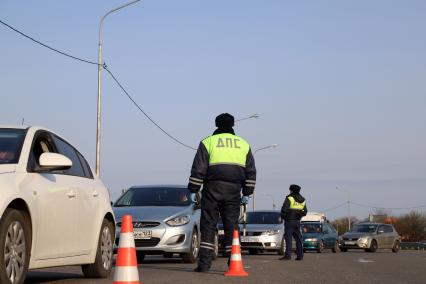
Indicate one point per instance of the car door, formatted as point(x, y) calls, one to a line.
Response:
point(327, 236)
point(389, 236)
point(381, 236)
point(87, 219)
point(55, 204)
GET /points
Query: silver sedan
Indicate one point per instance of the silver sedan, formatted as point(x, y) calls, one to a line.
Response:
point(164, 220)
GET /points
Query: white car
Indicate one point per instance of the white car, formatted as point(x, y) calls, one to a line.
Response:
point(53, 210)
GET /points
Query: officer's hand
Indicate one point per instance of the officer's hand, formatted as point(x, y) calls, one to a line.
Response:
point(193, 197)
point(245, 200)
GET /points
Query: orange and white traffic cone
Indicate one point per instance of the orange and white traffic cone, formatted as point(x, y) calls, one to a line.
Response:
point(236, 267)
point(126, 270)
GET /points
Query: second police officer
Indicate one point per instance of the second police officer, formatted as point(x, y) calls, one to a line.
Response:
point(223, 165)
point(293, 209)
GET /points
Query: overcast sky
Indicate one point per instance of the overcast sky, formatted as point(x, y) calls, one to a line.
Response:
point(339, 85)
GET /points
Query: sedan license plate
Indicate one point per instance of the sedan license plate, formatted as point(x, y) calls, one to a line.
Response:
point(141, 235)
point(351, 243)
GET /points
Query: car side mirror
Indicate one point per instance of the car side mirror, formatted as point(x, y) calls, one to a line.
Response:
point(53, 162)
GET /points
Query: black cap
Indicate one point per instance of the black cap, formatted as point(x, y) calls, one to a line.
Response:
point(224, 120)
point(295, 188)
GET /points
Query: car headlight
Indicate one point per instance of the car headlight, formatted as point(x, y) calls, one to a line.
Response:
point(179, 221)
point(363, 240)
point(270, 232)
point(311, 240)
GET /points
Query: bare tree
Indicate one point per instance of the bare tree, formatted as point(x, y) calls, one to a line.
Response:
point(412, 226)
point(341, 225)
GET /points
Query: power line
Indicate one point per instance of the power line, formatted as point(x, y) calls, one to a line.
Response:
point(143, 112)
point(109, 72)
point(47, 46)
point(335, 207)
point(389, 208)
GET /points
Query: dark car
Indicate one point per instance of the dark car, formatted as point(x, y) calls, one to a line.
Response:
point(319, 236)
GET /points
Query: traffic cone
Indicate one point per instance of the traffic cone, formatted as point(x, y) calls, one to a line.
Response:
point(236, 267)
point(126, 270)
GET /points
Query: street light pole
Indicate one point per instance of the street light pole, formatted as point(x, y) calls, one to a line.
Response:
point(248, 117)
point(255, 151)
point(272, 198)
point(100, 66)
point(349, 206)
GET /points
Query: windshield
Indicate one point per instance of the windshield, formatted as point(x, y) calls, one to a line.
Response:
point(11, 141)
point(364, 228)
point(263, 218)
point(154, 196)
point(311, 228)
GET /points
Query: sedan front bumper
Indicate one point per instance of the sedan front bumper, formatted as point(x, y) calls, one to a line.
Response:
point(164, 239)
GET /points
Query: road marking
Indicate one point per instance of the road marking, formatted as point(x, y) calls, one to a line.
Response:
point(365, 260)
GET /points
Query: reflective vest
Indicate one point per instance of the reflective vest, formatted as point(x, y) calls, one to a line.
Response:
point(296, 205)
point(226, 148)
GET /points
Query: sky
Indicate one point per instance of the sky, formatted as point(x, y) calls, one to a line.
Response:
point(338, 85)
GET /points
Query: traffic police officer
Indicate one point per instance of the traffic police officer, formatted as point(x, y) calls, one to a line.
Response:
point(293, 209)
point(224, 165)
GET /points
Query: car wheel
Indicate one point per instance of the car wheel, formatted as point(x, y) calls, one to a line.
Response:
point(253, 251)
point(373, 246)
point(343, 249)
point(321, 247)
point(216, 246)
point(396, 247)
point(140, 256)
point(192, 255)
point(335, 247)
point(15, 246)
point(103, 260)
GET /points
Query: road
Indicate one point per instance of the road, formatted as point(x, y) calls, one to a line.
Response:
point(350, 267)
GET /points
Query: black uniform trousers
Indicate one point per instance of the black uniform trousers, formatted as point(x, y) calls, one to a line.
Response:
point(292, 229)
point(222, 198)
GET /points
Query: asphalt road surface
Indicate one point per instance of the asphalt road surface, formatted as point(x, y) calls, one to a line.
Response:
point(349, 267)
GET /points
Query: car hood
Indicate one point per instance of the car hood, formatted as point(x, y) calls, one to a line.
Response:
point(261, 227)
point(7, 168)
point(356, 235)
point(151, 213)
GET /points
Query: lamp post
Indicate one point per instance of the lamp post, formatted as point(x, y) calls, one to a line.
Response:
point(248, 117)
point(255, 151)
point(98, 127)
point(349, 205)
point(272, 198)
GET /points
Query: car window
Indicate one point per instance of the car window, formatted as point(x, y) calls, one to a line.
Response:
point(388, 229)
point(87, 171)
point(67, 150)
point(11, 141)
point(326, 229)
point(311, 228)
point(42, 143)
point(364, 228)
point(381, 228)
point(332, 228)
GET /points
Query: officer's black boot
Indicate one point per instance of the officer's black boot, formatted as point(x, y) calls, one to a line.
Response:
point(204, 261)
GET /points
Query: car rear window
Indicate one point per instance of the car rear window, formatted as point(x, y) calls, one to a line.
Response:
point(11, 141)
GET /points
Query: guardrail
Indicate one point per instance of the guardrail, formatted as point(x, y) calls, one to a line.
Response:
point(413, 245)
